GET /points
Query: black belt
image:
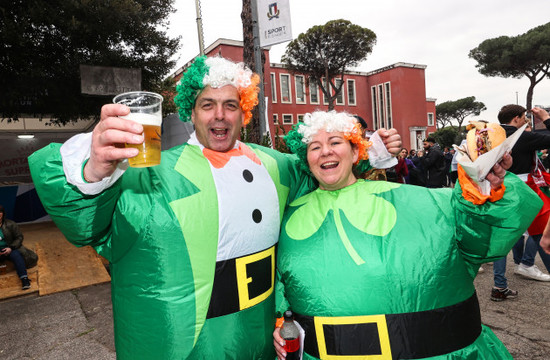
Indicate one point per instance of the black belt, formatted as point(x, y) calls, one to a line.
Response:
point(412, 335)
point(242, 282)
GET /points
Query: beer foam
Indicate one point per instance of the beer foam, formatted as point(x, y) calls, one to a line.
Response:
point(144, 119)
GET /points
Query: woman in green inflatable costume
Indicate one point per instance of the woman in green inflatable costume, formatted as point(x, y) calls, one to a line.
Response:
point(378, 270)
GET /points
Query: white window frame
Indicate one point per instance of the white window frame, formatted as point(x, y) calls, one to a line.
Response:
point(351, 85)
point(299, 117)
point(275, 119)
point(316, 87)
point(273, 87)
point(374, 103)
point(291, 119)
point(431, 119)
point(298, 101)
point(381, 106)
point(388, 104)
point(342, 93)
point(281, 76)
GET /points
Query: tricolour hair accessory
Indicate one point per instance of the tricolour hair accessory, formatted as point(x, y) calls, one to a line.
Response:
point(303, 132)
point(217, 72)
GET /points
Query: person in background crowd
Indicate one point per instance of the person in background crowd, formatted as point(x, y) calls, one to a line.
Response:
point(399, 172)
point(544, 158)
point(418, 163)
point(353, 253)
point(524, 153)
point(448, 155)
point(415, 176)
point(433, 164)
point(11, 248)
point(454, 166)
point(404, 154)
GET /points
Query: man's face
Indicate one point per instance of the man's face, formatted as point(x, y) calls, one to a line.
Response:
point(218, 117)
point(519, 121)
point(426, 145)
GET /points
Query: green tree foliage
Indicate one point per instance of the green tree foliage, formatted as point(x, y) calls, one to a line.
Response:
point(516, 56)
point(167, 88)
point(327, 51)
point(448, 136)
point(458, 110)
point(43, 43)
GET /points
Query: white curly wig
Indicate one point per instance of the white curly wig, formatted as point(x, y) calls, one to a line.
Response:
point(224, 72)
point(330, 121)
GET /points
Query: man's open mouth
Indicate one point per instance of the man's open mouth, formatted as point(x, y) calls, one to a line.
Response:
point(219, 133)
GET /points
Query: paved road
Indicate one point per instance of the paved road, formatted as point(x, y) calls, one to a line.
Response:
point(78, 324)
point(523, 324)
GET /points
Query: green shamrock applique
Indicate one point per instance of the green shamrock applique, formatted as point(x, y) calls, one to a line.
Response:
point(316, 206)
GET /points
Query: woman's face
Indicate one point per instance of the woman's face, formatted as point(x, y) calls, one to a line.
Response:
point(331, 157)
point(403, 153)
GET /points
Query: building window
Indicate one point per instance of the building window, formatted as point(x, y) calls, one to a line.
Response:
point(287, 119)
point(387, 99)
point(351, 92)
point(300, 89)
point(340, 97)
point(275, 119)
point(381, 107)
point(273, 88)
point(326, 85)
point(430, 119)
point(313, 92)
point(375, 119)
point(300, 117)
point(285, 88)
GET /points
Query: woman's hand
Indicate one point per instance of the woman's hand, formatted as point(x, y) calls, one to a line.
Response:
point(497, 173)
point(392, 139)
point(6, 251)
point(278, 342)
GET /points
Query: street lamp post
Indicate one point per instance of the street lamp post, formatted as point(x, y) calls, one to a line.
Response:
point(258, 65)
point(199, 27)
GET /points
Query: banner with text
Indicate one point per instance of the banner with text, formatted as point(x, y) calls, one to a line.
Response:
point(274, 22)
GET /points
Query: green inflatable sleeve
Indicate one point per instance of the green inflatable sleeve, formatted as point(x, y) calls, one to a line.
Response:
point(481, 228)
point(85, 220)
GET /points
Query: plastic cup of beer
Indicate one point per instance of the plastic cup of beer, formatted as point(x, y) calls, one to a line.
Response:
point(146, 109)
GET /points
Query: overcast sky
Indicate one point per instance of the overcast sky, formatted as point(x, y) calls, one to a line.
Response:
point(435, 33)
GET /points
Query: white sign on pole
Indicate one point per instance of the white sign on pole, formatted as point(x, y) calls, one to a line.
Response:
point(274, 22)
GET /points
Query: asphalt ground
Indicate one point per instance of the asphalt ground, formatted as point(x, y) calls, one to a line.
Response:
point(78, 324)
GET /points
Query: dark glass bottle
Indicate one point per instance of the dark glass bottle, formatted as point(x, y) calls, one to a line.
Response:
point(291, 334)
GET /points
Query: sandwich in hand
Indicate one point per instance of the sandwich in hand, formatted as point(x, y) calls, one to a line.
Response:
point(482, 137)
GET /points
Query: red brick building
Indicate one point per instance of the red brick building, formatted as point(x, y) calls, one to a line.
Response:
point(393, 96)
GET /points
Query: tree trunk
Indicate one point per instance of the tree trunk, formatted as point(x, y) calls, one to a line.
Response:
point(529, 100)
point(253, 129)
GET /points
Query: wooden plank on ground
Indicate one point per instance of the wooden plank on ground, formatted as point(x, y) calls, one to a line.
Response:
point(63, 266)
point(10, 284)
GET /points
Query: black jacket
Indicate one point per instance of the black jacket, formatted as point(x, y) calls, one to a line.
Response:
point(523, 152)
point(433, 163)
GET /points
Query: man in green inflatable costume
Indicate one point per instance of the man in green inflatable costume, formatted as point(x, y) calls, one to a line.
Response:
point(190, 241)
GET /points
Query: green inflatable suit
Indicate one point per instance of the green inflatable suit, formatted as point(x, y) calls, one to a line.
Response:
point(378, 270)
point(191, 246)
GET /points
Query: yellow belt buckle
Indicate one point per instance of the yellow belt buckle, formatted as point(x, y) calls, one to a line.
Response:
point(243, 279)
point(383, 335)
